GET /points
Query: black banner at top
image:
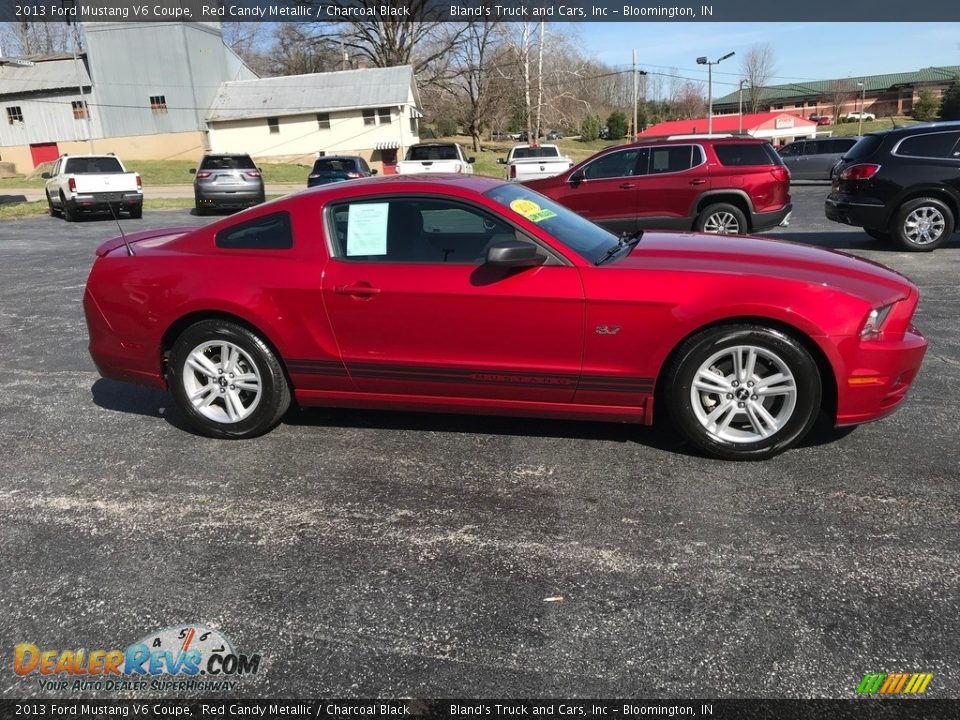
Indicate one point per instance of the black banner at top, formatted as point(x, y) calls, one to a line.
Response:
point(854, 11)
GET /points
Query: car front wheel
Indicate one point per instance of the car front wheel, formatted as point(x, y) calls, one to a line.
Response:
point(226, 381)
point(743, 392)
point(923, 224)
point(722, 219)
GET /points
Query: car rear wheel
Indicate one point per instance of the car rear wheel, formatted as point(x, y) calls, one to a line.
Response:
point(226, 380)
point(743, 392)
point(923, 224)
point(722, 219)
point(69, 214)
point(52, 210)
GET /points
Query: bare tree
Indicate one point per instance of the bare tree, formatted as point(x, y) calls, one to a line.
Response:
point(34, 38)
point(758, 66)
point(688, 100)
point(838, 92)
point(476, 74)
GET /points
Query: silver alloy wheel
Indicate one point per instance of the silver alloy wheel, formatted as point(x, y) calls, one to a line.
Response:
point(743, 394)
point(222, 382)
point(722, 223)
point(924, 225)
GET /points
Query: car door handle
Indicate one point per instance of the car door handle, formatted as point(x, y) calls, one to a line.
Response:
point(698, 181)
point(627, 186)
point(357, 290)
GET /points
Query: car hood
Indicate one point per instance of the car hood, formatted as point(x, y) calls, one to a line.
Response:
point(751, 256)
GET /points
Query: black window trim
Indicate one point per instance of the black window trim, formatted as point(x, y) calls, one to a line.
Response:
point(953, 131)
point(330, 230)
point(252, 221)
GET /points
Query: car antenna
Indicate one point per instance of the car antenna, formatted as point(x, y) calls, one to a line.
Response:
point(120, 228)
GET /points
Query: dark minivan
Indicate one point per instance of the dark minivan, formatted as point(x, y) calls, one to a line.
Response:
point(901, 185)
point(336, 168)
point(814, 159)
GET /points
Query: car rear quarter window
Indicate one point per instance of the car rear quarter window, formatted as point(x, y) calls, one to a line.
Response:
point(931, 145)
point(865, 147)
point(270, 232)
point(735, 154)
point(227, 162)
point(842, 145)
point(82, 165)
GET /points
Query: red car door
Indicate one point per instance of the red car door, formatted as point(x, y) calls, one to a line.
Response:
point(603, 190)
point(415, 311)
point(676, 175)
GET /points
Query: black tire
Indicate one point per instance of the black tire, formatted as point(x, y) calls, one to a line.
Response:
point(136, 212)
point(677, 393)
point(264, 413)
point(878, 235)
point(52, 210)
point(935, 210)
point(722, 214)
point(69, 214)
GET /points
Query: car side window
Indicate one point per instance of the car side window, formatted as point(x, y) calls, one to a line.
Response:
point(931, 145)
point(843, 145)
point(270, 232)
point(674, 158)
point(814, 147)
point(617, 164)
point(416, 230)
point(792, 150)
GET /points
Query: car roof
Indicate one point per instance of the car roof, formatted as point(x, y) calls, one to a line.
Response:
point(918, 129)
point(338, 157)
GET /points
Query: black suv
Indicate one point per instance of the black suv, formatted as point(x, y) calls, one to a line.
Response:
point(901, 184)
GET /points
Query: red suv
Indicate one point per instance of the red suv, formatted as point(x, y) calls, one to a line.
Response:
point(718, 185)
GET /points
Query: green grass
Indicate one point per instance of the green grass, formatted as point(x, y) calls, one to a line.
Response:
point(176, 172)
point(853, 128)
point(13, 211)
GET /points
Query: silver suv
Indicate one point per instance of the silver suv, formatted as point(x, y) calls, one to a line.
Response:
point(814, 159)
point(226, 181)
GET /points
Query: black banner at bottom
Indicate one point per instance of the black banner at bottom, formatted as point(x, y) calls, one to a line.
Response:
point(860, 709)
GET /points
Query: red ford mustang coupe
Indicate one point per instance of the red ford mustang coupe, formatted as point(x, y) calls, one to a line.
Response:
point(467, 294)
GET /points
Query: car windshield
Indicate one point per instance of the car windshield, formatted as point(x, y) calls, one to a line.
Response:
point(334, 165)
point(866, 146)
point(535, 152)
point(81, 165)
point(579, 234)
point(432, 152)
point(227, 162)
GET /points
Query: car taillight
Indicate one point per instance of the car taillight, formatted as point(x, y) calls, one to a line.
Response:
point(354, 175)
point(252, 173)
point(781, 173)
point(205, 174)
point(139, 183)
point(72, 184)
point(513, 171)
point(863, 171)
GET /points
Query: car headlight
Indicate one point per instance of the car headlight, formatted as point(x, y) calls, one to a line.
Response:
point(873, 325)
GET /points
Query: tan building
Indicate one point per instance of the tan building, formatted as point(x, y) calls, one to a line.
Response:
point(373, 112)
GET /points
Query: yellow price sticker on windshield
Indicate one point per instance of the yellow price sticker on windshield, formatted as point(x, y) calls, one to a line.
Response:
point(531, 211)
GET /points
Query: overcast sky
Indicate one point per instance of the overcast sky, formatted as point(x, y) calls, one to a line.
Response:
point(803, 51)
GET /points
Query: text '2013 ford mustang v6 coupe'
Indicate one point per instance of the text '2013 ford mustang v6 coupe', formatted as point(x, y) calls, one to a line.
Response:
point(468, 294)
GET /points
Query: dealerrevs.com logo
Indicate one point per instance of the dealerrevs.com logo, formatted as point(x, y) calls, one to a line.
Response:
point(894, 683)
point(178, 658)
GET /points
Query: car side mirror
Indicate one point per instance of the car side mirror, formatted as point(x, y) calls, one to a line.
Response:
point(471, 160)
point(373, 171)
point(501, 161)
point(514, 253)
point(193, 171)
point(577, 177)
point(45, 176)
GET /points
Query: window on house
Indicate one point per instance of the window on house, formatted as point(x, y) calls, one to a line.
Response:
point(79, 109)
point(369, 117)
point(384, 114)
point(158, 103)
point(778, 107)
point(14, 114)
point(414, 129)
point(323, 121)
point(273, 124)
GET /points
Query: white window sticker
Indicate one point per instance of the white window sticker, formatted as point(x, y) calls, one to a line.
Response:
point(367, 229)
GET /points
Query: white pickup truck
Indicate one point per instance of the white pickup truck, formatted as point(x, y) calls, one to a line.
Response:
point(90, 183)
point(532, 162)
point(435, 158)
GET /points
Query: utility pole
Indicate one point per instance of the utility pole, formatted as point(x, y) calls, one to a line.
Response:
point(863, 102)
point(741, 107)
point(635, 80)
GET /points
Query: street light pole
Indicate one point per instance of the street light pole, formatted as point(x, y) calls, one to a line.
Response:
point(863, 100)
point(634, 138)
point(705, 61)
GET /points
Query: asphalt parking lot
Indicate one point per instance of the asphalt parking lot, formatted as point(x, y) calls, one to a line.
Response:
point(409, 555)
